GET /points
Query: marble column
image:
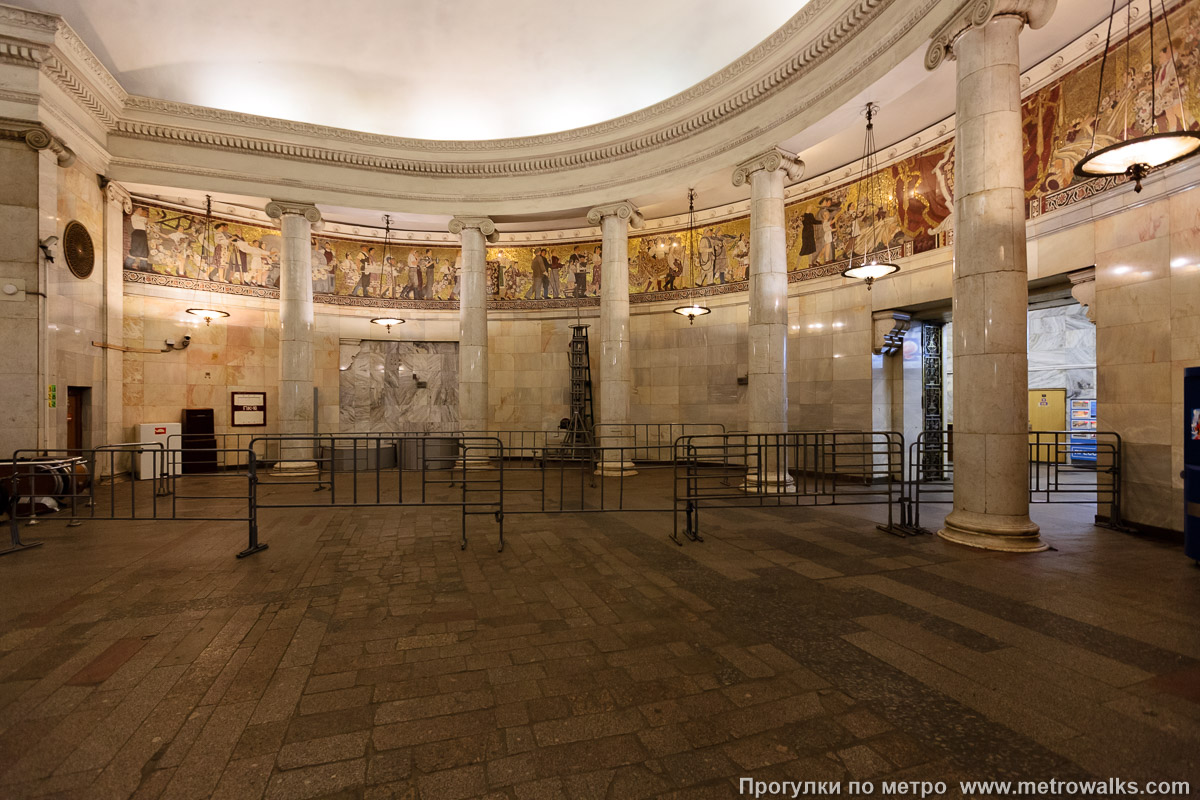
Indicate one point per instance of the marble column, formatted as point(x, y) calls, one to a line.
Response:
point(296, 364)
point(768, 300)
point(474, 232)
point(991, 295)
point(117, 203)
point(616, 368)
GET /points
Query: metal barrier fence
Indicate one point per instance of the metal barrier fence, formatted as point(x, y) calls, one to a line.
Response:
point(802, 468)
point(65, 478)
point(1059, 472)
point(647, 441)
point(486, 476)
point(362, 470)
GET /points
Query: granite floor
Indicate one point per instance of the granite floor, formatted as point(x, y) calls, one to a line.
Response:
point(364, 655)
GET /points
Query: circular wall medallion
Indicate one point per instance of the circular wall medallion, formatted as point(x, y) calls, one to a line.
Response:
point(77, 249)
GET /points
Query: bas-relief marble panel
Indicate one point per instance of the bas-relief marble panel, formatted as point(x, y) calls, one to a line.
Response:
point(379, 388)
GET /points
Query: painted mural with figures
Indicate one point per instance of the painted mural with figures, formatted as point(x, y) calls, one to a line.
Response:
point(243, 258)
point(1060, 121)
point(824, 231)
point(908, 210)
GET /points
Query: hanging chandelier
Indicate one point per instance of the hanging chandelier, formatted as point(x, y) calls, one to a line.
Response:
point(693, 309)
point(870, 268)
point(207, 314)
point(1141, 155)
point(388, 322)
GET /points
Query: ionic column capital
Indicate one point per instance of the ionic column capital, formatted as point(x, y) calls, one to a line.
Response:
point(38, 137)
point(624, 209)
point(770, 161)
point(483, 224)
point(278, 209)
point(976, 14)
point(117, 194)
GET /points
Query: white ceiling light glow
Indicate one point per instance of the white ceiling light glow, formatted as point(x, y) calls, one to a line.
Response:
point(473, 69)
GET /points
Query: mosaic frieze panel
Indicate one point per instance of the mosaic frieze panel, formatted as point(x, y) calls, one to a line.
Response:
point(1061, 124)
point(229, 256)
point(824, 232)
point(909, 211)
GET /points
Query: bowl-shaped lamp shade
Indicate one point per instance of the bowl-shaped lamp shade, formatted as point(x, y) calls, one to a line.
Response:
point(1137, 157)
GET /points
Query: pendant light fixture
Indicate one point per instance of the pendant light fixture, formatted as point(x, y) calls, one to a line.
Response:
point(207, 314)
point(388, 322)
point(1141, 155)
point(869, 268)
point(387, 234)
point(693, 309)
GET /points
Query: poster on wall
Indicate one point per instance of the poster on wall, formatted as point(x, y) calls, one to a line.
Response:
point(248, 409)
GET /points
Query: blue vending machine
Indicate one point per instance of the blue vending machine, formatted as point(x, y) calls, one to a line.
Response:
point(1191, 463)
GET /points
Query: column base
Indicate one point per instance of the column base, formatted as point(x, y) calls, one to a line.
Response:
point(1006, 534)
point(615, 469)
point(768, 483)
point(295, 469)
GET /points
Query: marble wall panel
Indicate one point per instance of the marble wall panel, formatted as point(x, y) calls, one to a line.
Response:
point(380, 386)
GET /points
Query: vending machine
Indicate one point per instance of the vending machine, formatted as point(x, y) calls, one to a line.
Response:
point(1191, 463)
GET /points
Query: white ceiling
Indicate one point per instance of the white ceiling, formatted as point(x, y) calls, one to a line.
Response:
point(432, 69)
point(515, 65)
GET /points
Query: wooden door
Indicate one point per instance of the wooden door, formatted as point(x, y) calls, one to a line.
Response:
point(1048, 412)
point(75, 396)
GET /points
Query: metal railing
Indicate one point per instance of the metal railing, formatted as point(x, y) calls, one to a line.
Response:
point(800, 468)
point(66, 479)
point(364, 470)
point(1059, 472)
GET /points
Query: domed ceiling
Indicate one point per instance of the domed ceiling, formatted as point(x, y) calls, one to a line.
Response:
point(468, 69)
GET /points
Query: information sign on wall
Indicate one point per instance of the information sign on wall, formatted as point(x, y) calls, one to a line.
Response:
point(249, 409)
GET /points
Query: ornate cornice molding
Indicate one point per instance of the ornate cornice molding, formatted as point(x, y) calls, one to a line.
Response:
point(38, 137)
point(771, 160)
point(711, 102)
point(780, 41)
point(976, 14)
point(278, 209)
point(25, 18)
point(483, 224)
point(623, 210)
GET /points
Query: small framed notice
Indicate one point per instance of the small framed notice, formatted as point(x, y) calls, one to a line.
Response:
point(248, 409)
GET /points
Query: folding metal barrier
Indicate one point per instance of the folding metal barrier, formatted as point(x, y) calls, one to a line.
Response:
point(800, 468)
point(1059, 472)
point(67, 479)
point(365, 470)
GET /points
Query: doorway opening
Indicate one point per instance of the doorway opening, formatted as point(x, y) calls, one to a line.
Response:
point(79, 412)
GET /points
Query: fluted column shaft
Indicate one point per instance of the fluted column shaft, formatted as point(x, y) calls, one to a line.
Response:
point(991, 451)
point(473, 324)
